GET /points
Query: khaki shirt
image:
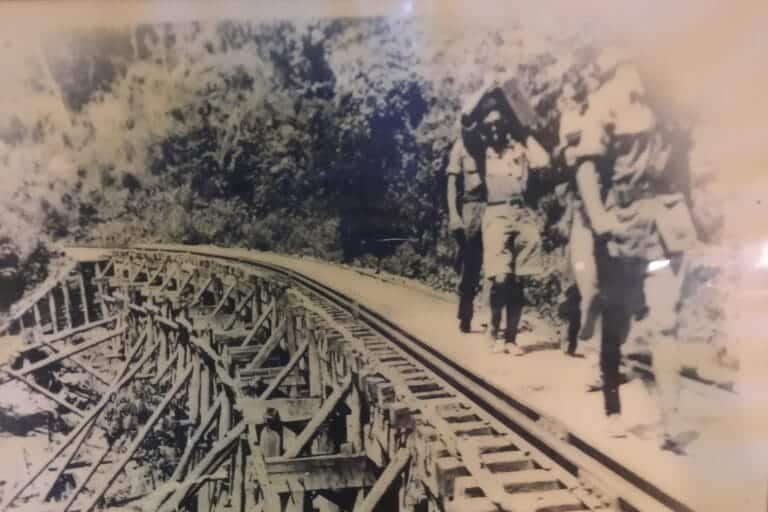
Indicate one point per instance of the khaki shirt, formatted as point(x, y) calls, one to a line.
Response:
point(461, 163)
point(612, 111)
point(507, 172)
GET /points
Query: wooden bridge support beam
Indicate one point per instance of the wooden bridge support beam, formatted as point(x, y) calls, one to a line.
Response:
point(64, 354)
point(240, 307)
point(189, 451)
point(353, 419)
point(269, 346)
point(222, 301)
point(67, 305)
point(184, 350)
point(84, 298)
point(312, 394)
point(200, 291)
point(157, 273)
point(256, 300)
point(210, 462)
point(310, 430)
point(52, 309)
point(260, 322)
point(128, 454)
point(205, 386)
point(39, 389)
point(393, 470)
point(184, 283)
point(194, 390)
point(294, 479)
point(38, 316)
point(103, 295)
point(125, 375)
point(313, 364)
point(81, 364)
point(135, 272)
point(239, 492)
point(274, 318)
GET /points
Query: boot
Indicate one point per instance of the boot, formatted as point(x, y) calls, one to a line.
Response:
point(465, 314)
point(615, 426)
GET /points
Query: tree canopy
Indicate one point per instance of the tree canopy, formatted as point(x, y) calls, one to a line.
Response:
point(322, 137)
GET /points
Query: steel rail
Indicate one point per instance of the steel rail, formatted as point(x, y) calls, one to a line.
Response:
point(575, 455)
point(572, 452)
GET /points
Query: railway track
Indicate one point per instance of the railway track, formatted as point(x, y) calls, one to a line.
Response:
point(501, 449)
point(456, 441)
point(466, 455)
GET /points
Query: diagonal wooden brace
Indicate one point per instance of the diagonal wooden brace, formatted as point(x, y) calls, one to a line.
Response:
point(70, 332)
point(384, 482)
point(208, 464)
point(118, 467)
point(239, 307)
point(138, 272)
point(223, 301)
point(167, 280)
point(81, 485)
point(161, 372)
point(184, 283)
point(39, 389)
point(201, 291)
point(285, 371)
point(257, 325)
point(270, 345)
point(210, 416)
point(82, 364)
point(125, 375)
point(322, 415)
point(157, 272)
point(71, 352)
point(103, 272)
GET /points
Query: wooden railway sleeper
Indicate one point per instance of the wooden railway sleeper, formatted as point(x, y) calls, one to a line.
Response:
point(481, 464)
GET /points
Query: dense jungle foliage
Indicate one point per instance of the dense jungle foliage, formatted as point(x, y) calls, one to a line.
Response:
point(326, 138)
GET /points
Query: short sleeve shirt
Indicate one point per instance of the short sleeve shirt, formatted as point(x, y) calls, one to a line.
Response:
point(506, 173)
point(613, 112)
point(461, 163)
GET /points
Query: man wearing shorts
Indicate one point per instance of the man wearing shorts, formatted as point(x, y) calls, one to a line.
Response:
point(511, 238)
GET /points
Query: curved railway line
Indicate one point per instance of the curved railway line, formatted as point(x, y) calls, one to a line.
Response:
point(294, 396)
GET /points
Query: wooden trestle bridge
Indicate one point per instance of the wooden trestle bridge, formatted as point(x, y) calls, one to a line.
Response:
point(231, 385)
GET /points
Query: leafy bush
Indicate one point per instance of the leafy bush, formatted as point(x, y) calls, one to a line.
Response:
point(326, 138)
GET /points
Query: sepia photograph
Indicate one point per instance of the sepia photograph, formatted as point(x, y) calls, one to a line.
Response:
point(391, 256)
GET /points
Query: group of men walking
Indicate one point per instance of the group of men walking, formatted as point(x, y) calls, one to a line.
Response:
point(629, 227)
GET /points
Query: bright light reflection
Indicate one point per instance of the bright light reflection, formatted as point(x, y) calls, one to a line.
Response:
point(657, 265)
point(763, 261)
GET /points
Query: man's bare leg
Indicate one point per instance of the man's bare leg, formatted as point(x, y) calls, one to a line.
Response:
point(662, 290)
point(484, 309)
